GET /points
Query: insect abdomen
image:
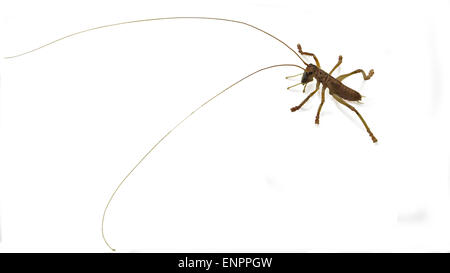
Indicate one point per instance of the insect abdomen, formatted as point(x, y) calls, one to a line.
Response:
point(338, 88)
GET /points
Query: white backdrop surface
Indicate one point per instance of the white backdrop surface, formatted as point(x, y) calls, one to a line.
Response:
point(243, 173)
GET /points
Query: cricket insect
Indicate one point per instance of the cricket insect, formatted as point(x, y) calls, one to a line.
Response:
point(340, 92)
point(337, 89)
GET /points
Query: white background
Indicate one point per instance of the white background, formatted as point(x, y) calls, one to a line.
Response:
point(244, 173)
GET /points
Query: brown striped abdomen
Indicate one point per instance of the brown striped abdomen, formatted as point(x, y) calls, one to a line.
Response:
point(338, 88)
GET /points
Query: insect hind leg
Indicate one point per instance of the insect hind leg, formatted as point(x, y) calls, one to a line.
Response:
point(341, 101)
point(365, 76)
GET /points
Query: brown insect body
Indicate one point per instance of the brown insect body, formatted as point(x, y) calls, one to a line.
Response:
point(334, 86)
point(339, 91)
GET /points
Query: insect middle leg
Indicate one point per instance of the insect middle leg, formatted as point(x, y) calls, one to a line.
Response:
point(293, 109)
point(321, 104)
point(338, 64)
point(323, 91)
point(341, 101)
point(366, 77)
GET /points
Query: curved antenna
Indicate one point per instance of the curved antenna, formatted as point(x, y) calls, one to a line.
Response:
point(169, 132)
point(156, 19)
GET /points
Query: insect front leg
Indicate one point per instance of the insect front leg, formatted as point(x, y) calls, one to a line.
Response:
point(293, 109)
point(321, 104)
point(299, 47)
point(366, 77)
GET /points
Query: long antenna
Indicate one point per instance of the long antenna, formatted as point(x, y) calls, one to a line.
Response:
point(169, 132)
point(156, 19)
